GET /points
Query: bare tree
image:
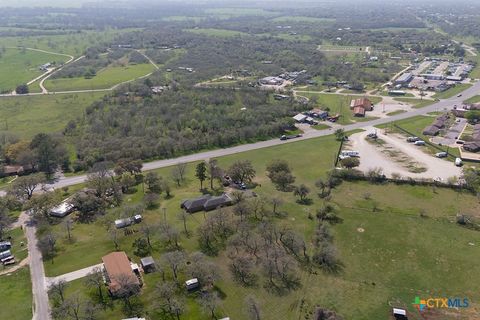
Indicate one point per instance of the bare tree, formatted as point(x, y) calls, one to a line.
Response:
point(67, 223)
point(210, 302)
point(183, 216)
point(169, 235)
point(276, 203)
point(95, 280)
point(168, 302)
point(127, 287)
point(46, 244)
point(242, 267)
point(214, 171)
point(113, 234)
point(57, 290)
point(176, 260)
point(179, 172)
point(148, 230)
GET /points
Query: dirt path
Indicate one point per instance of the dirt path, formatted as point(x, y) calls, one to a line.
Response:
point(21, 264)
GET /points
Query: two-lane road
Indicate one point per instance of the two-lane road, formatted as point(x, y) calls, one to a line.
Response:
point(438, 106)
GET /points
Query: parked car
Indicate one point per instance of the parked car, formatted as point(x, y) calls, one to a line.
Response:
point(419, 143)
point(458, 162)
point(413, 139)
point(372, 135)
point(458, 96)
point(441, 154)
point(460, 142)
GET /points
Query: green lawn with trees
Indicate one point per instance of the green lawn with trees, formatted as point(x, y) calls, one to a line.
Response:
point(363, 214)
point(18, 66)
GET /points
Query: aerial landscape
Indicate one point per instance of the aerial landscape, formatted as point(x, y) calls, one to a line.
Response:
point(243, 160)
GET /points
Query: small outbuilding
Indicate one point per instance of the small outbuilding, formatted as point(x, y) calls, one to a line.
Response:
point(62, 210)
point(472, 146)
point(148, 264)
point(301, 118)
point(192, 284)
point(400, 314)
point(359, 112)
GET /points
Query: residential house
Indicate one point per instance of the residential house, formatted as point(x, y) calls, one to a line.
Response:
point(359, 112)
point(118, 271)
point(300, 118)
point(472, 146)
point(217, 202)
point(318, 113)
point(195, 205)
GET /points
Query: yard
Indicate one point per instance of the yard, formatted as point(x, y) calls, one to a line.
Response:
point(474, 99)
point(19, 66)
point(379, 247)
point(16, 295)
point(27, 116)
point(105, 78)
point(338, 104)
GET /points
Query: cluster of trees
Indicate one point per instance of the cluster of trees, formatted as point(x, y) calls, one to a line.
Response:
point(176, 123)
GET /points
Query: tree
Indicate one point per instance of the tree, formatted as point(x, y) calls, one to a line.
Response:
point(242, 171)
point(204, 270)
point(276, 203)
point(133, 167)
point(151, 200)
point(142, 248)
point(127, 181)
point(127, 287)
point(68, 227)
point(340, 134)
point(326, 257)
point(22, 89)
point(214, 171)
point(178, 173)
point(49, 152)
point(242, 267)
point(41, 205)
point(153, 182)
point(280, 174)
point(169, 235)
point(201, 173)
point(302, 192)
point(252, 308)
point(473, 116)
point(23, 187)
point(46, 245)
point(350, 162)
point(95, 280)
point(183, 216)
point(5, 219)
point(88, 206)
point(210, 302)
point(175, 260)
point(57, 290)
point(168, 302)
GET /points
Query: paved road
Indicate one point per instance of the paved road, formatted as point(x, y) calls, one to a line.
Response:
point(74, 275)
point(439, 106)
point(41, 308)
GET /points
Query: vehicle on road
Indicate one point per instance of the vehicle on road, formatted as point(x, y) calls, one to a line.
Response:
point(288, 137)
point(372, 135)
point(458, 96)
point(441, 154)
point(419, 143)
point(458, 162)
point(413, 139)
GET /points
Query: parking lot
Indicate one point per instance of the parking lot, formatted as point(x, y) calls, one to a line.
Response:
point(453, 133)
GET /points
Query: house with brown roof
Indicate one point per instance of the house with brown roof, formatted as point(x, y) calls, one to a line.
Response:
point(359, 112)
point(364, 103)
point(119, 272)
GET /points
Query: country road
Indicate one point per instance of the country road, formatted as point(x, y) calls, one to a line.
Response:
point(441, 105)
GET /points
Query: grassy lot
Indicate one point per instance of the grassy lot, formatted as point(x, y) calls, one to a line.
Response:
point(74, 43)
point(16, 295)
point(416, 103)
point(221, 33)
point(27, 116)
point(20, 66)
point(473, 99)
point(321, 126)
point(338, 103)
point(301, 19)
point(398, 255)
point(105, 78)
point(452, 91)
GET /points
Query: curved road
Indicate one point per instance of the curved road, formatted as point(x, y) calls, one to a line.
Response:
point(439, 106)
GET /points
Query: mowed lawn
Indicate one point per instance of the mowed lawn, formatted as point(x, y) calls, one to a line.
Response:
point(20, 66)
point(452, 91)
point(16, 295)
point(105, 78)
point(338, 103)
point(29, 115)
point(396, 255)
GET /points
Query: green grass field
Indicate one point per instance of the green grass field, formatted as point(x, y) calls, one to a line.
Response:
point(338, 103)
point(221, 33)
point(474, 99)
point(20, 66)
point(16, 295)
point(452, 91)
point(74, 43)
point(105, 78)
point(27, 116)
point(397, 256)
